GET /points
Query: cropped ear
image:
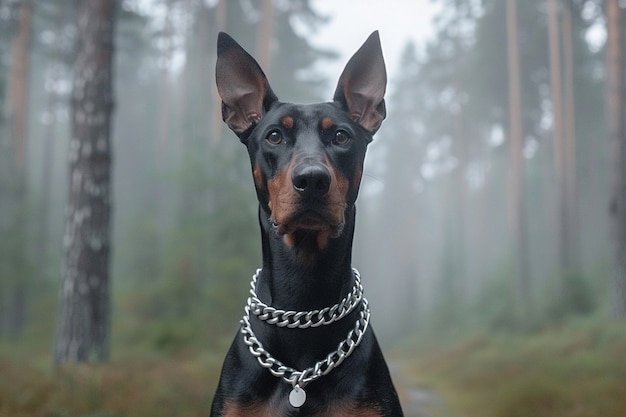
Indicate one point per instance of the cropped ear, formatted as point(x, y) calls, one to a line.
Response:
point(362, 84)
point(242, 85)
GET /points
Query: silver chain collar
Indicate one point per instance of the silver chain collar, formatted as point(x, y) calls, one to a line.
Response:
point(305, 319)
point(291, 319)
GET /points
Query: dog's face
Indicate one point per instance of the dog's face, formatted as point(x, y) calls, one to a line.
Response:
point(307, 163)
point(307, 160)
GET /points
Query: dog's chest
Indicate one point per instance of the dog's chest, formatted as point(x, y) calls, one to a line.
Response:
point(282, 409)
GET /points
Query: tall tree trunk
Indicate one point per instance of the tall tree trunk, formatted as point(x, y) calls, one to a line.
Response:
point(49, 139)
point(459, 197)
point(459, 243)
point(14, 311)
point(559, 142)
point(518, 218)
point(204, 64)
point(569, 132)
point(221, 17)
point(264, 45)
point(617, 148)
point(18, 82)
point(84, 318)
point(164, 133)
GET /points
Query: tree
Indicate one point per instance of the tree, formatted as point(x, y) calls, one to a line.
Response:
point(165, 96)
point(83, 323)
point(518, 217)
point(478, 155)
point(264, 41)
point(557, 114)
point(569, 132)
point(564, 147)
point(19, 81)
point(617, 143)
point(15, 186)
point(397, 203)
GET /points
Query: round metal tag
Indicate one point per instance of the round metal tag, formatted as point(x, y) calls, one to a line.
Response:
point(297, 397)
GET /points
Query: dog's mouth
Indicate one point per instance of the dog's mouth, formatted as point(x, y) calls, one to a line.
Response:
point(306, 226)
point(308, 221)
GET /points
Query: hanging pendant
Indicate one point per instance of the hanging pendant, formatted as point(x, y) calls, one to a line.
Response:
point(297, 397)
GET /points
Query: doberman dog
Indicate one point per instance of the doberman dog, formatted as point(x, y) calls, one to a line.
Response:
point(305, 346)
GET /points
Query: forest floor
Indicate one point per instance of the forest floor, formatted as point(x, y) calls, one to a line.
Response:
point(417, 401)
point(577, 370)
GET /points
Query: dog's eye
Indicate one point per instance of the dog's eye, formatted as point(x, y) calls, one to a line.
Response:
point(274, 137)
point(341, 137)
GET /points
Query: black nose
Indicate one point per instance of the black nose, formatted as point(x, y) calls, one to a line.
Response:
point(311, 180)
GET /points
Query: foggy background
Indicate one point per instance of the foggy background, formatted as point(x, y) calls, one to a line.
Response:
point(469, 241)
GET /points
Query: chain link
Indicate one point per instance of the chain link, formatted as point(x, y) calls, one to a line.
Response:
point(321, 368)
point(332, 360)
point(305, 319)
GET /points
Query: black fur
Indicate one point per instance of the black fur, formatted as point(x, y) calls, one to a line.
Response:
point(307, 178)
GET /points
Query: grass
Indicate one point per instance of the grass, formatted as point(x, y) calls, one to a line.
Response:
point(577, 370)
point(157, 370)
point(574, 370)
point(133, 387)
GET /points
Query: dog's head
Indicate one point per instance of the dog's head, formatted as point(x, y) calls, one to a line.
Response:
point(307, 160)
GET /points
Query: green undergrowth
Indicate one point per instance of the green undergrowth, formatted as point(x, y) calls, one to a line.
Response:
point(574, 370)
point(159, 368)
point(133, 387)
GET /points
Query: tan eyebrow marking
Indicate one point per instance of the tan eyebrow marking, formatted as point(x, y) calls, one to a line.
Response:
point(327, 122)
point(288, 122)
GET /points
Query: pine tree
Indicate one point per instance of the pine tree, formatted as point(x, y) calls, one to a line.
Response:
point(617, 143)
point(84, 318)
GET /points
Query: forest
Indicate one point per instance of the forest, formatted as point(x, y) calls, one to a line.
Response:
point(491, 226)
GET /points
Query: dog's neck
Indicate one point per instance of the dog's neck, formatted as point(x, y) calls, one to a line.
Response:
point(290, 283)
point(292, 280)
